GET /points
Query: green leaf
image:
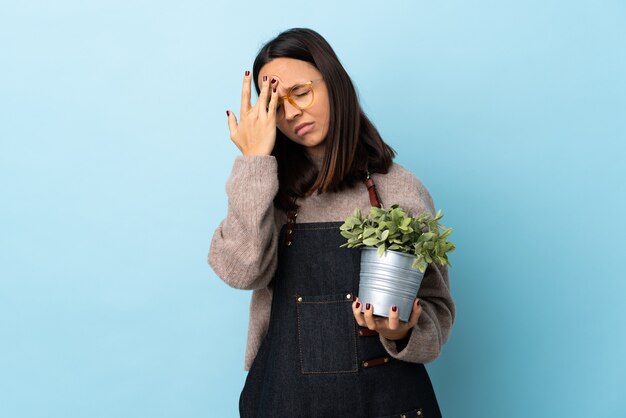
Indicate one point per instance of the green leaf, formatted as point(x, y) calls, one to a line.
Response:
point(370, 241)
point(375, 212)
point(368, 231)
point(429, 236)
point(397, 230)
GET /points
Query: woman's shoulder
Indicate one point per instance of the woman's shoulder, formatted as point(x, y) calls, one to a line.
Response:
point(400, 185)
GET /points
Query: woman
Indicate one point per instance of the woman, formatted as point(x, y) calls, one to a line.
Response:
point(307, 150)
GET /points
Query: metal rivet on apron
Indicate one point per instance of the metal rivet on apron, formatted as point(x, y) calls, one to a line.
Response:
point(348, 296)
point(288, 243)
point(402, 416)
point(299, 298)
point(374, 362)
point(419, 412)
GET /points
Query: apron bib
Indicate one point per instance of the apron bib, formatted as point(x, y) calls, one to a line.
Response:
point(315, 361)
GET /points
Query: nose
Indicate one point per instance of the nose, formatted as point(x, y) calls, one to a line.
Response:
point(290, 110)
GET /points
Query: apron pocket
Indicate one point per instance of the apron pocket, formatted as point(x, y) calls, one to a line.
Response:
point(326, 334)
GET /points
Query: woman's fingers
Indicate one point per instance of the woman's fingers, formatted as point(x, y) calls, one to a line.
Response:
point(261, 104)
point(390, 327)
point(369, 317)
point(254, 133)
point(356, 310)
point(394, 322)
point(415, 313)
point(232, 127)
point(245, 94)
point(271, 108)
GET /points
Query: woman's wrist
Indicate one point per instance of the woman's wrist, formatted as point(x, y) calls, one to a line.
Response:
point(404, 341)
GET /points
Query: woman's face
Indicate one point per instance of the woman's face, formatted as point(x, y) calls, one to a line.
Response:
point(289, 72)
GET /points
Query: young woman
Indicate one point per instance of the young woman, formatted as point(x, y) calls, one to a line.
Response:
point(310, 156)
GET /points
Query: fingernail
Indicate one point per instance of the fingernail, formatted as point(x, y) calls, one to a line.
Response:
point(264, 78)
point(274, 89)
point(358, 305)
point(367, 306)
point(394, 308)
point(227, 113)
point(418, 302)
point(273, 80)
point(247, 73)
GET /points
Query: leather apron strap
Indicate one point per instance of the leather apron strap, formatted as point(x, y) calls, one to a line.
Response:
point(371, 188)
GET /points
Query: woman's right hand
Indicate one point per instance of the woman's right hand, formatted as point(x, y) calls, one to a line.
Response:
point(255, 133)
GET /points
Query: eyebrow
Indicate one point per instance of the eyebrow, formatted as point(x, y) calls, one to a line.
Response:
point(292, 86)
point(296, 84)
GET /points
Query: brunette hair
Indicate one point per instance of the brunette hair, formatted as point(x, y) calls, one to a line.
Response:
point(353, 144)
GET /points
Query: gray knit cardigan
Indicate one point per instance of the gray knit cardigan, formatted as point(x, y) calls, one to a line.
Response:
point(243, 251)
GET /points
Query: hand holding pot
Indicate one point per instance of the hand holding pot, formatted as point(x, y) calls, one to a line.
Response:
point(255, 133)
point(391, 328)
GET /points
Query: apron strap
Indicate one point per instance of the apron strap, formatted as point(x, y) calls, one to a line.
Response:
point(371, 188)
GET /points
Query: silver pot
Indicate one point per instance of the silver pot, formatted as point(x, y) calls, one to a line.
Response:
point(388, 280)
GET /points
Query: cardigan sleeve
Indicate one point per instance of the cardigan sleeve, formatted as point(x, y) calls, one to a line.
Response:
point(243, 251)
point(433, 327)
point(432, 330)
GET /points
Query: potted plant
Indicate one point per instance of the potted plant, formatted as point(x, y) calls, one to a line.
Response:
point(396, 249)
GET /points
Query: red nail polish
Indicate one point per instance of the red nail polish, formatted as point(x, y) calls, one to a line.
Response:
point(247, 73)
point(418, 302)
point(358, 305)
point(274, 89)
point(264, 78)
point(227, 113)
point(367, 306)
point(394, 308)
point(273, 80)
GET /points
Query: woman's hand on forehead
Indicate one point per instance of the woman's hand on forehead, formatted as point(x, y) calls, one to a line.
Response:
point(255, 132)
point(279, 89)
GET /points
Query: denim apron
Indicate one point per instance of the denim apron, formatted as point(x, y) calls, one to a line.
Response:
point(315, 360)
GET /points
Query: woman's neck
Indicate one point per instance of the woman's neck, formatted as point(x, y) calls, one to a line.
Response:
point(317, 160)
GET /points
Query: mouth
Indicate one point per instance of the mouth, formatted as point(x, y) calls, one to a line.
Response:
point(303, 128)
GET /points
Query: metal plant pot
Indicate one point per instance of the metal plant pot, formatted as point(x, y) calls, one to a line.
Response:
point(388, 280)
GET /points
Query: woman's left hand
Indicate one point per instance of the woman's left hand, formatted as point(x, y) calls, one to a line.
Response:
point(391, 328)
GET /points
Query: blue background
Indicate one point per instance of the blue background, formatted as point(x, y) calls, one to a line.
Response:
point(115, 153)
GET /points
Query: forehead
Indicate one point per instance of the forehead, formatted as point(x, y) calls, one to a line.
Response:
point(288, 71)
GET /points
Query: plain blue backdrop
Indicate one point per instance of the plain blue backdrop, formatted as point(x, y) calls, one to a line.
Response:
point(115, 153)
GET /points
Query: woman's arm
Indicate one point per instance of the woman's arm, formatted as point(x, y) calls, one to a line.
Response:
point(433, 327)
point(243, 250)
point(420, 339)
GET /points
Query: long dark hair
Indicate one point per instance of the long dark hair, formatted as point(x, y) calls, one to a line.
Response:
point(352, 146)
